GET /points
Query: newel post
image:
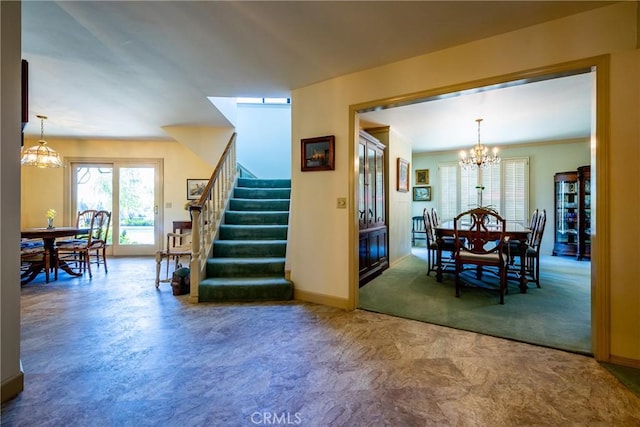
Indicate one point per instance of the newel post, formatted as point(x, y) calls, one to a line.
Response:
point(194, 266)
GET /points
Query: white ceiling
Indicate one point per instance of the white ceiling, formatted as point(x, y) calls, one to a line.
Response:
point(125, 69)
point(549, 110)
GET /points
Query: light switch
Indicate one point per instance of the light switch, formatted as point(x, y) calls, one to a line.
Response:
point(342, 203)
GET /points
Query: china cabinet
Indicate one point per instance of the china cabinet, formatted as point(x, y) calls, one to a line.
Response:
point(584, 212)
point(373, 246)
point(572, 228)
point(566, 214)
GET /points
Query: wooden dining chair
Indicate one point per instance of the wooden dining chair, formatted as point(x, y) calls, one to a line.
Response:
point(513, 248)
point(434, 246)
point(418, 231)
point(178, 248)
point(532, 259)
point(34, 258)
point(479, 240)
point(99, 240)
point(77, 253)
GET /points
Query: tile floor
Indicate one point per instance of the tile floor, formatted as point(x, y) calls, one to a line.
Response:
point(114, 351)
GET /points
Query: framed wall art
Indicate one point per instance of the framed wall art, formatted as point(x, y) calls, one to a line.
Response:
point(403, 175)
point(317, 154)
point(195, 188)
point(422, 177)
point(422, 194)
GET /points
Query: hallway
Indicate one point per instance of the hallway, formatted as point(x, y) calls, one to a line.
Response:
point(115, 351)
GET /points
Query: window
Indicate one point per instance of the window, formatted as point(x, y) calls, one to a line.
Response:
point(506, 189)
point(246, 100)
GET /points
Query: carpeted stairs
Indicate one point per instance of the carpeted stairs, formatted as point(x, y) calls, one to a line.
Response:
point(249, 254)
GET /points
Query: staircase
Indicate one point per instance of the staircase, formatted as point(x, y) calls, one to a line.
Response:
point(249, 253)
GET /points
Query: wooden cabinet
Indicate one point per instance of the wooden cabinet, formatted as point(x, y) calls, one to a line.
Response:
point(584, 212)
point(572, 228)
point(373, 247)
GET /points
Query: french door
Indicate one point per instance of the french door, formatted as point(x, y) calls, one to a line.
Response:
point(130, 190)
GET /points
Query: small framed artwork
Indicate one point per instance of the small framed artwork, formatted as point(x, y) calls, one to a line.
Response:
point(421, 194)
point(317, 154)
point(422, 176)
point(195, 188)
point(403, 175)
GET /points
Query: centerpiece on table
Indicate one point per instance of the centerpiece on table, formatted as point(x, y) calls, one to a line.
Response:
point(51, 214)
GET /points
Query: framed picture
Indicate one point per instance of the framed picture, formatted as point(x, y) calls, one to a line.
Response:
point(421, 194)
point(422, 176)
point(317, 154)
point(195, 188)
point(403, 175)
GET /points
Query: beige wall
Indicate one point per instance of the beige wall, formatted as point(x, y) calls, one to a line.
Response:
point(322, 260)
point(44, 188)
point(544, 161)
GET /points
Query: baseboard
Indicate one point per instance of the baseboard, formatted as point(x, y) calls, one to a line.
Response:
point(624, 361)
point(398, 260)
point(12, 387)
point(307, 296)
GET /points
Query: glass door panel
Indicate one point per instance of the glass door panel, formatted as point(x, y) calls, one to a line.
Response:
point(136, 206)
point(135, 222)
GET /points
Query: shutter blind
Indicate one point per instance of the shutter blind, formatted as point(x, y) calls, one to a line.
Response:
point(448, 200)
point(516, 189)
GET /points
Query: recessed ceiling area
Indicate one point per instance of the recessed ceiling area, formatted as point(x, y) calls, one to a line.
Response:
point(546, 110)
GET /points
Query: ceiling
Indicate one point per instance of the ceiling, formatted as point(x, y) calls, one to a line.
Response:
point(125, 69)
point(549, 110)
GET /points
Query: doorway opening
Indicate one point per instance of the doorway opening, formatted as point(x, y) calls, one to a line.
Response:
point(596, 143)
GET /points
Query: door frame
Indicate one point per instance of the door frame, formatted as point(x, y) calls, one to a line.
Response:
point(600, 241)
point(115, 162)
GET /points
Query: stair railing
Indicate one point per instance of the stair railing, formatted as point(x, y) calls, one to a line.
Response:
point(207, 213)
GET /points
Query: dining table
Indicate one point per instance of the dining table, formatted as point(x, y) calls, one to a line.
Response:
point(514, 231)
point(49, 236)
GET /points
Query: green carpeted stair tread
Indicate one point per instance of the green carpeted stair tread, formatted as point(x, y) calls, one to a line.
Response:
point(249, 248)
point(239, 204)
point(256, 217)
point(245, 267)
point(244, 281)
point(263, 183)
point(261, 193)
point(252, 232)
point(245, 289)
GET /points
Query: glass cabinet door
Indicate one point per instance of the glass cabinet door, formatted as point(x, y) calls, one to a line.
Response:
point(566, 213)
point(584, 218)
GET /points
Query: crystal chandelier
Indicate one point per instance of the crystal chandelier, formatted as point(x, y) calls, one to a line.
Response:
point(40, 155)
point(478, 156)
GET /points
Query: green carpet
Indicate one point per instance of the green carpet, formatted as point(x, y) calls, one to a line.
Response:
point(558, 315)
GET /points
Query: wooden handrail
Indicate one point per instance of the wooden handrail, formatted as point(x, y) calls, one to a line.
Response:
point(207, 214)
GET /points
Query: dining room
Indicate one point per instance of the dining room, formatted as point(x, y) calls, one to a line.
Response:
point(521, 182)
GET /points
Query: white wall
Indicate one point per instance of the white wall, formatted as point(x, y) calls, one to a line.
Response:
point(399, 202)
point(544, 161)
point(264, 139)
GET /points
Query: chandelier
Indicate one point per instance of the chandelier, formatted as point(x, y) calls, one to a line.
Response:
point(40, 155)
point(478, 156)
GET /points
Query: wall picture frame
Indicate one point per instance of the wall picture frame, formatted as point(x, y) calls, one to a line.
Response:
point(317, 154)
point(422, 177)
point(195, 188)
point(422, 194)
point(402, 175)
